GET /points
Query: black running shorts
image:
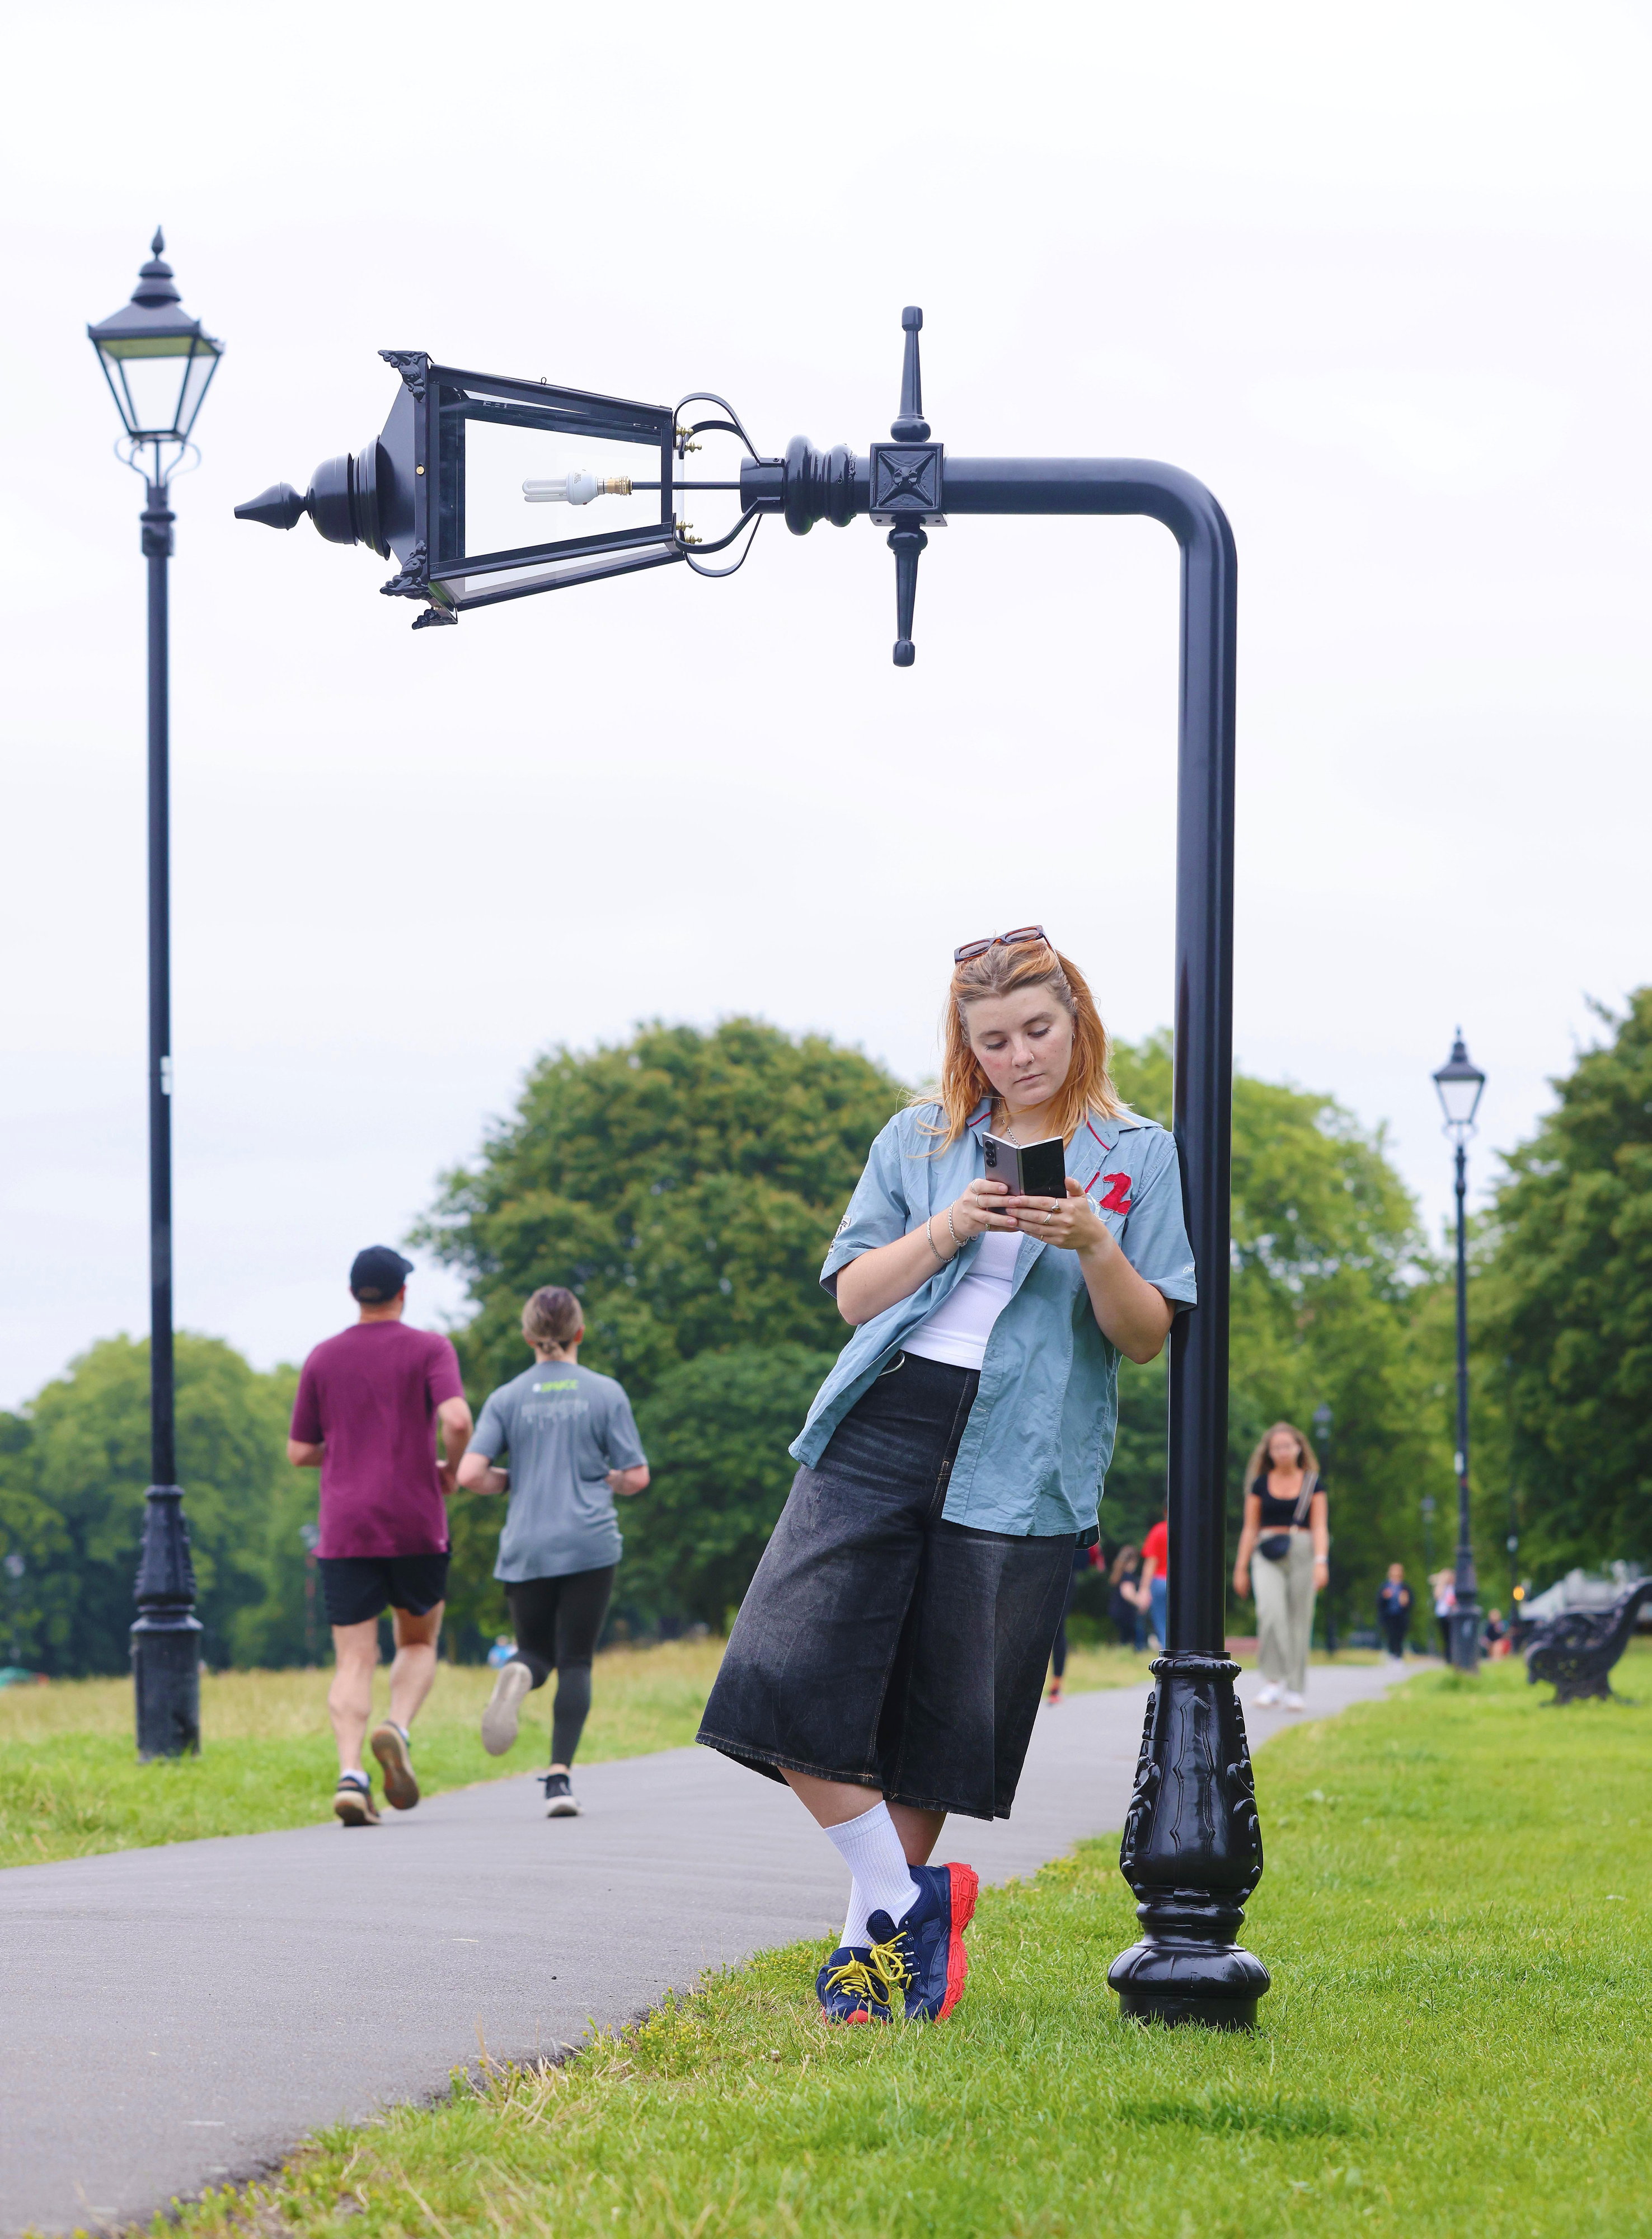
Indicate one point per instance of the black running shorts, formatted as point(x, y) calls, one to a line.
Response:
point(357, 1587)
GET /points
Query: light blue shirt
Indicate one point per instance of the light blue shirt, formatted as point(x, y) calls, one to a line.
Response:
point(1040, 1434)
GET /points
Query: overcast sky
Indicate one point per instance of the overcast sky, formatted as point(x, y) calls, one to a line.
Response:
point(1378, 276)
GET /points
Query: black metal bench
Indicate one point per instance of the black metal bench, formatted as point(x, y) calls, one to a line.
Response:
point(1576, 1650)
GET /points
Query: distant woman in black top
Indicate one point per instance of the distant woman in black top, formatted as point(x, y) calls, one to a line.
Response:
point(1283, 1557)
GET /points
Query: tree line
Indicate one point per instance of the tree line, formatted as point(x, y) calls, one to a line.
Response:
point(684, 1183)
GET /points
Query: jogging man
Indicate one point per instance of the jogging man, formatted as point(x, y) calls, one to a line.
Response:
point(369, 1400)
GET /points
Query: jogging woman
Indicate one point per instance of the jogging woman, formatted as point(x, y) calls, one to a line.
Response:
point(573, 1447)
point(887, 1660)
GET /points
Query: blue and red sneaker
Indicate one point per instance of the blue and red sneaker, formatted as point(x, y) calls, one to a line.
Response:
point(848, 1989)
point(922, 1961)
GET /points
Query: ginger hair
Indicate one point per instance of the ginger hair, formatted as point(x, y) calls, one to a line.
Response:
point(1088, 1086)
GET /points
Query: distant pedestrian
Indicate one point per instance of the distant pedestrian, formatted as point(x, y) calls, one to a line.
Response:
point(1283, 1557)
point(1393, 1599)
point(1155, 1581)
point(573, 1447)
point(368, 1402)
point(1445, 1585)
point(1124, 1607)
point(1084, 1560)
point(1496, 1636)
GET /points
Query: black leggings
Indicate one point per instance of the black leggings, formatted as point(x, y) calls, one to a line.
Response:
point(556, 1622)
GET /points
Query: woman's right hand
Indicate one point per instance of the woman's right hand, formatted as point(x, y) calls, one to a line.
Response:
point(1241, 1583)
point(977, 1210)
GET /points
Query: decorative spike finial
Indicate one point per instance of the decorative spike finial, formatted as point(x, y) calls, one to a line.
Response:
point(910, 427)
point(157, 247)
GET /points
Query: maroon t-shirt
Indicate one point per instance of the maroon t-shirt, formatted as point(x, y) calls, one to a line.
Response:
point(368, 1396)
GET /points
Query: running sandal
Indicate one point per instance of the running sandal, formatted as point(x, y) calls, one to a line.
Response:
point(353, 1801)
point(561, 1803)
point(922, 1961)
point(390, 1745)
point(511, 1691)
point(848, 1990)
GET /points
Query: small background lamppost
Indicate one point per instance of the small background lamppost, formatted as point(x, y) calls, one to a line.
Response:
point(15, 1569)
point(1323, 1420)
point(1459, 1083)
point(159, 365)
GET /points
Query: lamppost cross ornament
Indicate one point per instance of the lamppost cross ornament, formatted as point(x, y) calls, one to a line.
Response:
point(159, 363)
point(1458, 1083)
point(441, 487)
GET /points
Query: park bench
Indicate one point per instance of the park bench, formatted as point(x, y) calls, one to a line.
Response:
point(1576, 1650)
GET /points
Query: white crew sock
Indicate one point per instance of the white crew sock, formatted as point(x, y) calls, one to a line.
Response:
point(354, 1772)
point(871, 1849)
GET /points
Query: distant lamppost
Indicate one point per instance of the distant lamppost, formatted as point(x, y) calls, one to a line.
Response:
point(159, 365)
point(15, 1570)
point(1459, 1083)
point(1323, 1420)
point(443, 487)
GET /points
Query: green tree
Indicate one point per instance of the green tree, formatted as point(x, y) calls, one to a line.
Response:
point(73, 1467)
point(1328, 1268)
point(1564, 1336)
point(716, 1429)
point(685, 1184)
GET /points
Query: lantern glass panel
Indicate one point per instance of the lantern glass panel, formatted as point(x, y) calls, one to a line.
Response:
point(490, 438)
point(159, 380)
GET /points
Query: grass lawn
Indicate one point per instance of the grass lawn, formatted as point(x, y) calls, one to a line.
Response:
point(69, 1783)
point(1456, 1912)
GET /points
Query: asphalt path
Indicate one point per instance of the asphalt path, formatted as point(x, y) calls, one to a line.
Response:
point(176, 2017)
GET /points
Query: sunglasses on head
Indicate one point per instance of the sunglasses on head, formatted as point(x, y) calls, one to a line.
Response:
point(1002, 941)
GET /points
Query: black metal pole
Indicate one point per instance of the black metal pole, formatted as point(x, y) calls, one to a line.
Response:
point(166, 1655)
point(1465, 1622)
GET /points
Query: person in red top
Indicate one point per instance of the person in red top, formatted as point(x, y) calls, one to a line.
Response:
point(1155, 1577)
point(368, 1401)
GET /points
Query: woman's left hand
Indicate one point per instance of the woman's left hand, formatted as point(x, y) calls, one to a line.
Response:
point(1322, 1573)
point(1071, 1222)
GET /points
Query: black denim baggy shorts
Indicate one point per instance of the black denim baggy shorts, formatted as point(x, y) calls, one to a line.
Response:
point(880, 1645)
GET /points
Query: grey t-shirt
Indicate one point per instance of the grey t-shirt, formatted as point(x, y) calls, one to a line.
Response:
point(565, 1427)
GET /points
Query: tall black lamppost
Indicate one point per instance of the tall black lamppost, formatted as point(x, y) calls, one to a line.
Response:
point(443, 488)
point(1459, 1083)
point(159, 365)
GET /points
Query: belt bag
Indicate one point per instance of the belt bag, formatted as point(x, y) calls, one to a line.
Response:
point(1276, 1545)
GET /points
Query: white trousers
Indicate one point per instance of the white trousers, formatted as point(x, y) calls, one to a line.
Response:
point(1284, 1600)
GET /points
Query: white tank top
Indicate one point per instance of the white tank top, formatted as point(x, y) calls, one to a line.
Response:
point(957, 1329)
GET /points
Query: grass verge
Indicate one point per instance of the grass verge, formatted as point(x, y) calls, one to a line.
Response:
point(70, 1784)
point(1456, 1914)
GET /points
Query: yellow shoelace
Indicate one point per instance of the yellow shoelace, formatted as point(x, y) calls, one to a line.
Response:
point(886, 1963)
point(857, 1978)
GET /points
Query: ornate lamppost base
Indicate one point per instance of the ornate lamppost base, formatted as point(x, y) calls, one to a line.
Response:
point(1173, 1978)
point(166, 1640)
point(1192, 1853)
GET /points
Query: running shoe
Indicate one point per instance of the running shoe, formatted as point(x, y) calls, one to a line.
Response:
point(922, 1961)
point(1294, 1701)
point(391, 1747)
point(848, 1990)
point(353, 1801)
point(511, 1690)
point(561, 1802)
point(1269, 1695)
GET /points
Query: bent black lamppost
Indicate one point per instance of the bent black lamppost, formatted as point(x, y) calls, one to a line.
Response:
point(431, 488)
point(159, 365)
point(1459, 1083)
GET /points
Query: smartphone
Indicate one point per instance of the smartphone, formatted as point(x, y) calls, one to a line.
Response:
point(1030, 1169)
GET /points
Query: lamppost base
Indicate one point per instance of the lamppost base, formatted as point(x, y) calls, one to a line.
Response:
point(1192, 1852)
point(166, 1678)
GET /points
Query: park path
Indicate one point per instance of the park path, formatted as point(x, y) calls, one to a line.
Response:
point(172, 2018)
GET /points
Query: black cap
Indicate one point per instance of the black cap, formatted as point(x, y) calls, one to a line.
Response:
point(378, 1273)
